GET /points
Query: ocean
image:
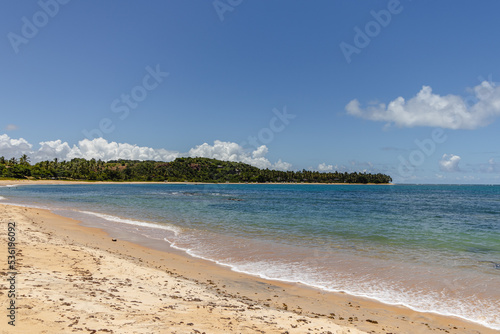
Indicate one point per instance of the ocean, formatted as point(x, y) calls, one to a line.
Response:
point(432, 248)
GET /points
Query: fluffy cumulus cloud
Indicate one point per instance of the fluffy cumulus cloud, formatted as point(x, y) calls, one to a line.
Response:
point(449, 163)
point(429, 109)
point(234, 152)
point(325, 168)
point(14, 147)
point(282, 165)
point(100, 148)
point(50, 150)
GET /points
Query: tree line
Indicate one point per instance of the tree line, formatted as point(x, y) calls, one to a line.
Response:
point(179, 170)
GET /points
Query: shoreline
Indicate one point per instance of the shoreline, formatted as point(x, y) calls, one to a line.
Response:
point(69, 182)
point(272, 299)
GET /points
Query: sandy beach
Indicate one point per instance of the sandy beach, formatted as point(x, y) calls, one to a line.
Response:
point(70, 278)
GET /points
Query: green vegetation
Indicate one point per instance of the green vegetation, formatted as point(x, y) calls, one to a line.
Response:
point(180, 170)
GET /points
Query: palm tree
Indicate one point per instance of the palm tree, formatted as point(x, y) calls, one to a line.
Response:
point(24, 160)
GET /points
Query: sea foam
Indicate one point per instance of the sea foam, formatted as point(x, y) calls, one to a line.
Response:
point(115, 219)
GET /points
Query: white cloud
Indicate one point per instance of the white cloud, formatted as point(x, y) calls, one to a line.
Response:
point(322, 167)
point(230, 151)
point(449, 163)
point(13, 147)
point(353, 166)
point(11, 127)
point(220, 150)
point(260, 152)
point(428, 109)
point(100, 148)
point(491, 167)
point(50, 150)
point(281, 165)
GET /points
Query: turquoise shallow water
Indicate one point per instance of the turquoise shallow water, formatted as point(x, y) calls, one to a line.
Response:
point(430, 247)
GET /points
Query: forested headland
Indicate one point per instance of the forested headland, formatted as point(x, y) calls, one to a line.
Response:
point(179, 170)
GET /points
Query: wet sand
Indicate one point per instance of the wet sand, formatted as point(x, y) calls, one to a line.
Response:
point(72, 278)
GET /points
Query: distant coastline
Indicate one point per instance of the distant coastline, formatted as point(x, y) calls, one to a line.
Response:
point(8, 181)
point(192, 170)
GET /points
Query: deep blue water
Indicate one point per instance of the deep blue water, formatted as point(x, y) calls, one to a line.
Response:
point(429, 247)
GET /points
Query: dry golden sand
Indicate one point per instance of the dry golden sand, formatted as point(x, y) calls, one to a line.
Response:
point(67, 285)
point(74, 279)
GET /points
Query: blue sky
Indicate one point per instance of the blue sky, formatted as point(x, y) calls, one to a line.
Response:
point(161, 79)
